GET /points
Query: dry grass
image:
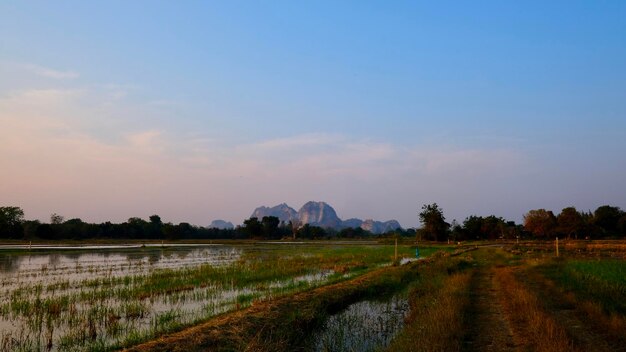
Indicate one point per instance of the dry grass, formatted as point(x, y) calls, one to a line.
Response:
point(534, 326)
point(610, 325)
point(436, 320)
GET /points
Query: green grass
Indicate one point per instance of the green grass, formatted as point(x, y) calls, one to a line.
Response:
point(601, 281)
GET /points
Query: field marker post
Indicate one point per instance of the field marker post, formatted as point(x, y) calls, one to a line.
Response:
point(396, 252)
point(557, 246)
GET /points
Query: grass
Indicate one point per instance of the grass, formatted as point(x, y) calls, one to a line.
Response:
point(284, 323)
point(104, 309)
point(601, 281)
point(437, 299)
point(542, 332)
point(594, 289)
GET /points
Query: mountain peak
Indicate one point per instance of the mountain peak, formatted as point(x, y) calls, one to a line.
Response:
point(319, 213)
point(282, 211)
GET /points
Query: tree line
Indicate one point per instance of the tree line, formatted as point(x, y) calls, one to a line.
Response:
point(605, 222)
point(14, 226)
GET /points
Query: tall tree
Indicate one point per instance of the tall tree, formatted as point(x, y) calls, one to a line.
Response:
point(434, 224)
point(155, 228)
point(540, 222)
point(570, 222)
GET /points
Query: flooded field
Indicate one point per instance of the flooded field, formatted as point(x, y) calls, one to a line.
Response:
point(102, 298)
point(364, 326)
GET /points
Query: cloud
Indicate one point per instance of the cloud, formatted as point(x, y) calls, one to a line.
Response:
point(145, 140)
point(57, 157)
point(49, 73)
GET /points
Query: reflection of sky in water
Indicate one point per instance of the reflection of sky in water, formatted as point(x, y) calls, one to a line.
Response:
point(26, 271)
point(363, 326)
point(48, 266)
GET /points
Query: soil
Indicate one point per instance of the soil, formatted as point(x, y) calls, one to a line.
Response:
point(487, 326)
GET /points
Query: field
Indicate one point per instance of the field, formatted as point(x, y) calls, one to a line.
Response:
point(317, 297)
point(108, 298)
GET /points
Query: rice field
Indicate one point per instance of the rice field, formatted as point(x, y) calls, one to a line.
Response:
point(104, 299)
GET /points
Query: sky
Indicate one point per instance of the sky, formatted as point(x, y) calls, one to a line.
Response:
point(205, 110)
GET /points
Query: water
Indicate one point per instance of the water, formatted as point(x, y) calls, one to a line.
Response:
point(363, 326)
point(73, 298)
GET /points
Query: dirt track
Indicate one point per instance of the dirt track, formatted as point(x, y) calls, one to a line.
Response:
point(487, 326)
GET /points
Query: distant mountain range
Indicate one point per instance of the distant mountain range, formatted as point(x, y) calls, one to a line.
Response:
point(323, 215)
point(222, 225)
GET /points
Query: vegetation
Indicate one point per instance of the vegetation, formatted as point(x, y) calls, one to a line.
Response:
point(106, 306)
point(605, 222)
point(519, 297)
point(434, 223)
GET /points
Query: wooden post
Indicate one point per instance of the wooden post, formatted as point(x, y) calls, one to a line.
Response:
point(396, 253)
point(557, 246)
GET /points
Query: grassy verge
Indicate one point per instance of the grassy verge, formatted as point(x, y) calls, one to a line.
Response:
point(437, 301)
point(601, 281)
point(540, 330)
point(593, 289)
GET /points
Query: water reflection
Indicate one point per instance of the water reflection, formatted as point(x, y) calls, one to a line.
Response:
point(169, 257)
point(363, 326)
point(61, 300)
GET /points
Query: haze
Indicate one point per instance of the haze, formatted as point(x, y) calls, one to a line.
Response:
point(199, 111)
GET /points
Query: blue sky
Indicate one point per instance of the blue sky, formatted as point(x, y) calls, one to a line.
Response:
point(205, 110)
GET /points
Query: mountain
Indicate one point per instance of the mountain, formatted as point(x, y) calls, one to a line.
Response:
point(323, 215)
point(353, 223)
point(378, 227)
point(282, 211)
point(319, 214)
point(222, 225)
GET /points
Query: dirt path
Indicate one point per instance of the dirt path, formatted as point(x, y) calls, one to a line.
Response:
point(486, 324)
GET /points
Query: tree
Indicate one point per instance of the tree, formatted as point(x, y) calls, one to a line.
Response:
point(136, 227)
point(434, 223)
point(155, 228)
point(156, 220)
point(456, 231)
point(11, 219)
point(56, 219)
point(490, 227)
point(270, 226)
point(311, 232)
point(607, 218)
point(540, 222)
point(570, 222)
point(253, 227)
